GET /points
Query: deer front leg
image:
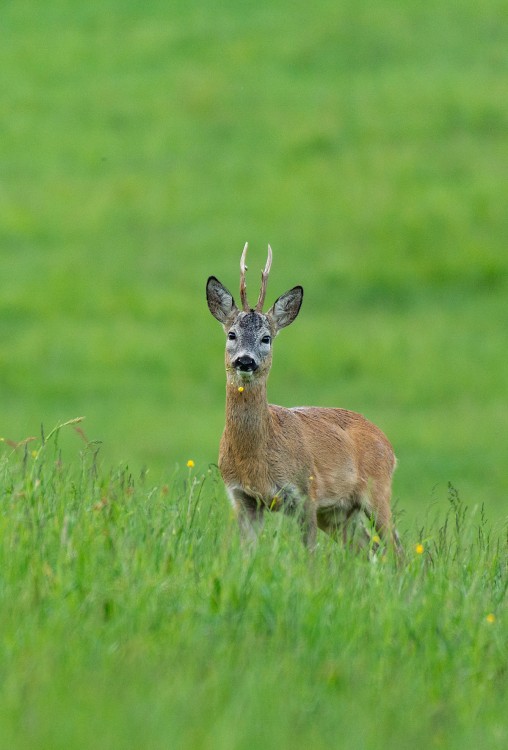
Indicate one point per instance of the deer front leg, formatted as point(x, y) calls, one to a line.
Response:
point(249, 513)
point(295, 502)
point(308, 524)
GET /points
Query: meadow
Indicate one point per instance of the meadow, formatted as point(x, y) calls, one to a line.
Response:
point(141, 145)
point(131, 617)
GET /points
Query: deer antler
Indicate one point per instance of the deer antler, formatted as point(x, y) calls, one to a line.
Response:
point(264, 280)
point(243, 287)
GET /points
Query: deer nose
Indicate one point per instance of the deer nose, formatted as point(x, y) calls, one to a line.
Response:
point(245, 364)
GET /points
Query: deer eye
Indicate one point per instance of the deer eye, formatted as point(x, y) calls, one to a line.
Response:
point(266, 340)
point(232, 336)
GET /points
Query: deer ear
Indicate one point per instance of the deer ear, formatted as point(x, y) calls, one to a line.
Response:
point(220, 301)
point(286, 308)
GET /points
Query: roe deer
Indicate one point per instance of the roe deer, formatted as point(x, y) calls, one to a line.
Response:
point(323, 464)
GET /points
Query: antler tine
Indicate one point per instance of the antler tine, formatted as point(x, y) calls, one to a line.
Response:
point(264, 281)
point(243, 287)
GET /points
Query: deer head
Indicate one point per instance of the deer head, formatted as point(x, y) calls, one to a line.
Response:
point(249, 331)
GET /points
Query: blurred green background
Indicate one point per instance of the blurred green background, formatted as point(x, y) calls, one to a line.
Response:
point(141, 144)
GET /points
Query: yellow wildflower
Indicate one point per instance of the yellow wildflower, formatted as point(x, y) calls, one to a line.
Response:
point(376, 539)
point(240, 389)
point(491, 618)
point(190, 464)
point(419, 549)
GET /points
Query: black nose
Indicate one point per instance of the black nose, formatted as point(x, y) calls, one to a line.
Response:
point(245, 364)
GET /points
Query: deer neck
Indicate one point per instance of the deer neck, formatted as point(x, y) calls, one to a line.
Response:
point(248, 420)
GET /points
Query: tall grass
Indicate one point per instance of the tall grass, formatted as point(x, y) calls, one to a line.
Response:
point(131, 616)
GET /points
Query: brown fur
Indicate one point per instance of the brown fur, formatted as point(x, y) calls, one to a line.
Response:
point(335, 461)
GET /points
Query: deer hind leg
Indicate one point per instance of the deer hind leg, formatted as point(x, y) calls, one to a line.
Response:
point(354, 533)
point(340, 524)
point(376, 505)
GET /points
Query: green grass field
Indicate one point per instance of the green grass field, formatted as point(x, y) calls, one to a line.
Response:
point(130, 617)
point(141, 145)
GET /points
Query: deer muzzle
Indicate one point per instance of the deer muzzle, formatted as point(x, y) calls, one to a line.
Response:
point(245, 364)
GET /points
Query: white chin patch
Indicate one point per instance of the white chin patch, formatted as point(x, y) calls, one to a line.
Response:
point(245, 375)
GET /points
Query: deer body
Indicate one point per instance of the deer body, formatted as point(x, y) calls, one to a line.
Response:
point(321, 464)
